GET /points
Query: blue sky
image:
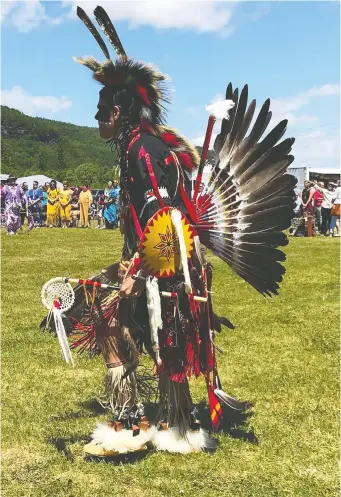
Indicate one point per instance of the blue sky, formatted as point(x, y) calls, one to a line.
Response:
point(288, 51)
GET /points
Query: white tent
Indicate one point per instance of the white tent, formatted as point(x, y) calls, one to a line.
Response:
point(303, 173)
point(41, 178)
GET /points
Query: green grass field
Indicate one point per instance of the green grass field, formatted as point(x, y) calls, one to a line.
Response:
point(283, 355)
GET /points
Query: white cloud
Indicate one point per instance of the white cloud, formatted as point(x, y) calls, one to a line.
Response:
point(26, 15)
point(324, 91)
point(317, 149)
point(6, 8)
point(44, 106)
point(163, 14)
point(283, 108)
point(200, 16)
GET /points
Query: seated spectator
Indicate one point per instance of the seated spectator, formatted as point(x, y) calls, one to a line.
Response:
point(297, 205)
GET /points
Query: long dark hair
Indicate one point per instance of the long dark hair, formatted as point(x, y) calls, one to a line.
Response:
point(130, 109)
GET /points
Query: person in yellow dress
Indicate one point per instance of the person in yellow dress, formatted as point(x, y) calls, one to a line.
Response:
point(52, 205)
point(85, 200)
point(65, 196)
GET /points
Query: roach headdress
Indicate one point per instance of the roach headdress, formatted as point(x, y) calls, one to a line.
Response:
point(143, 82)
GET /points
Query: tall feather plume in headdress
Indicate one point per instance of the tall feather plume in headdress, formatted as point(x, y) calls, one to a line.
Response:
point(88, 23)
point(109, 31)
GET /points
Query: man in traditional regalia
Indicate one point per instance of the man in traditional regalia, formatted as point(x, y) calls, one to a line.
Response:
point(164, 303)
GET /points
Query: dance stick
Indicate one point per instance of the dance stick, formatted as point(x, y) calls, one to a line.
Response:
point(112, 287)
point(191, 296)
point(98, 284)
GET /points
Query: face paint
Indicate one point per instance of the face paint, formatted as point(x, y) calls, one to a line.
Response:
point(107, 123)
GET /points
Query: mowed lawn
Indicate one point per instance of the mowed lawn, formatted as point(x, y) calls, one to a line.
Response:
point(283, 356)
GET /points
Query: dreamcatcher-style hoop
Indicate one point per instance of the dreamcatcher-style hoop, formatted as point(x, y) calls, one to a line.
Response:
point(58, 288)
point(57, 296)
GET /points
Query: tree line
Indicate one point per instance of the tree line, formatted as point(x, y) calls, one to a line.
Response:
point(32, 145)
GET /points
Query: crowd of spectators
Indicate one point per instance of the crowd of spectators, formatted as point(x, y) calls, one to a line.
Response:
point(320, 203)
point(52, 207)
point(81, 207)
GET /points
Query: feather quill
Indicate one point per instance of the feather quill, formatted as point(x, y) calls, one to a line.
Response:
point(109, 31)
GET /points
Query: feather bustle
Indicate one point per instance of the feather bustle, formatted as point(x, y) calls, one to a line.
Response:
point(250, 199)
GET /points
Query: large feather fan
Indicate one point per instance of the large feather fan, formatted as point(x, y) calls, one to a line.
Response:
point(250, 198)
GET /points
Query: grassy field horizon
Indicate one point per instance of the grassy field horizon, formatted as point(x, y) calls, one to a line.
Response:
point(283, 356)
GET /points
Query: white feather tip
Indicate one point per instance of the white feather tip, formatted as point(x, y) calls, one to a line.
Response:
point(220, 110)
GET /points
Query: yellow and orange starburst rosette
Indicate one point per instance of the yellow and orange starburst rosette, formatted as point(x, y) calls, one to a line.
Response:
point(159, 247)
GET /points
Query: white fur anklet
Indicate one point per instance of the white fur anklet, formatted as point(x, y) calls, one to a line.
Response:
point(106, 441)
point(171, 440)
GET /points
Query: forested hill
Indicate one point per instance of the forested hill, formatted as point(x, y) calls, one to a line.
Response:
point(32, 145)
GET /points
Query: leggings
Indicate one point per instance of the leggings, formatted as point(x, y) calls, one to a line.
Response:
point(326, 217)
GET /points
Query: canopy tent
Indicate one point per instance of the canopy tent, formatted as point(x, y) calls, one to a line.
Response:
point(304, 173)
point(41, 178)
point(4, 177)
point(327, 171)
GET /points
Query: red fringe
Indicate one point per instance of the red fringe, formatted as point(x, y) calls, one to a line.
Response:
point(185, 160)
point(170, 139)
point(142, 92)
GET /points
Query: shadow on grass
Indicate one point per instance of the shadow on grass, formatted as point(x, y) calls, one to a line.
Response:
point(120, 460)
point(90, 409)
point(62, 445)
point(233, 423)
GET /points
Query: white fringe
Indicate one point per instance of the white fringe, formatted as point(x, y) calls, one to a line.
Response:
point(193, 441)
point(121, 387)
point(177, 222)
point(121, 441)
point(154, 311)
point(220, 110)
point(61, 334)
